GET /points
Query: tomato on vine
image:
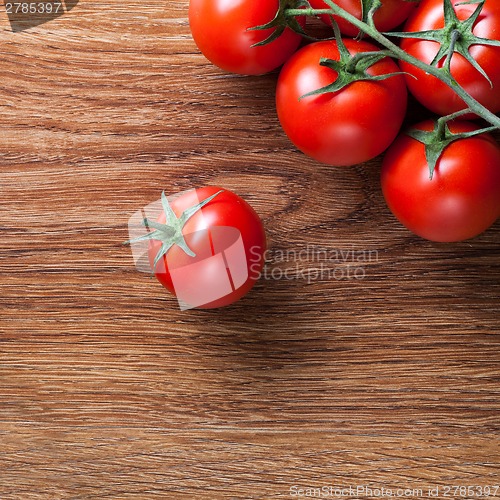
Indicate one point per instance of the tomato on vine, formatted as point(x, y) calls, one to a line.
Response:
point(341, 102)
point(457, 198)
point(224, 32)
point(469, 31)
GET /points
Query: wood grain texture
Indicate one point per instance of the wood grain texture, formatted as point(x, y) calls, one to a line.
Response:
point(107, 390)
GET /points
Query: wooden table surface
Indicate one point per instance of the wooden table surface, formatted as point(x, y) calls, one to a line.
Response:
point(107, 390)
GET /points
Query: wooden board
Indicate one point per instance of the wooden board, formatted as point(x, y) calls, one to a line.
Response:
point(107, 390)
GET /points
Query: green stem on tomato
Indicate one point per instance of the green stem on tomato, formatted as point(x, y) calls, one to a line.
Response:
point(437, 140)
point(454, 37)
point(441, 123)
point(442, 74)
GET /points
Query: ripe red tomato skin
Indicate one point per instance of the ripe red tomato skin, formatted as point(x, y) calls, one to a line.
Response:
point(391, 14)
point(226, 209)
point(431, 92)
point(220, 30)
point(461, 200)
point(347, 127)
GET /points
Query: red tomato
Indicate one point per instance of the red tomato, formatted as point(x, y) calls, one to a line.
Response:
point(430, 91)
point(220, 30)
point(346, 127)
point(463, 197)
point(228, 240)
point(391, 14)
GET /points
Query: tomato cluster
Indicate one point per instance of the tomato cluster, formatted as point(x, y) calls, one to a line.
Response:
point(342, 101)
point(342, 111)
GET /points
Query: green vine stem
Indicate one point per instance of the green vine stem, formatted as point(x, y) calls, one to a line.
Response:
point(442, 74)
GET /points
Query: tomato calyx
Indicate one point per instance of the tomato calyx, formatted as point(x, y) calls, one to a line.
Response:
point(456, 36)
point(170, 233)
point(350, 68)
point(282, 21)
point(438, 139)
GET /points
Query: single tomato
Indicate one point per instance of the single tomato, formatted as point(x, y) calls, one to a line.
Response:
point(346, 127)
point(220, 29)
point(463, 197)
point(207, 247)
point(431, 92)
